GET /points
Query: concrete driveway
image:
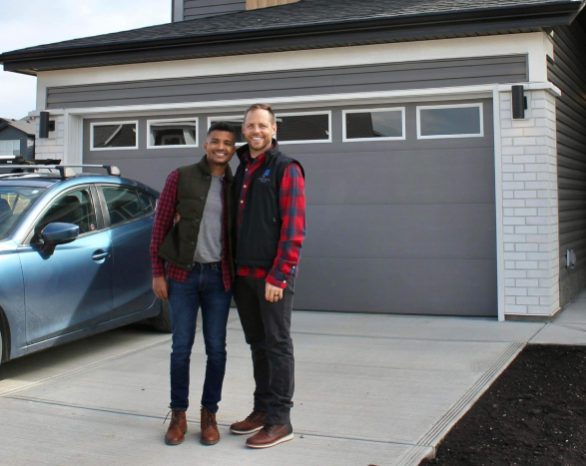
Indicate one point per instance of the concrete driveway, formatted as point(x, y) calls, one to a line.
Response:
point(370, 390)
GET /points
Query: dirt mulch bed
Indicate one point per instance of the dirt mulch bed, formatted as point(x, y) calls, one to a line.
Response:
point(534, 414)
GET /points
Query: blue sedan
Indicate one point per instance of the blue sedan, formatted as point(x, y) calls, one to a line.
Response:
point(74, 257)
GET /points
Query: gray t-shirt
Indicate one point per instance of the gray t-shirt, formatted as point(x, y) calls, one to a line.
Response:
point(209, 240)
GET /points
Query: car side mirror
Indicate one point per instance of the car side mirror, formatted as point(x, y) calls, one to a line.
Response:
point(57, 233)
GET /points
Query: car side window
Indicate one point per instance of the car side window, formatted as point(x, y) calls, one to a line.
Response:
point(72, 207)
point(126, 204)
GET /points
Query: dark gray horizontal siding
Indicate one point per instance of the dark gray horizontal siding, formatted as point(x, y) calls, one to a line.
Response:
point(568, 72)
point(363, 78)
point(193, 9)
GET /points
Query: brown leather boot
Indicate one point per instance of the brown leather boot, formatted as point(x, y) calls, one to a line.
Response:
point(209, 428)
point(177, 428)
point(253, 423)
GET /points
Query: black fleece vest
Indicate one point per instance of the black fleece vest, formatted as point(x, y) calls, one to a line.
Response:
point(258, 235)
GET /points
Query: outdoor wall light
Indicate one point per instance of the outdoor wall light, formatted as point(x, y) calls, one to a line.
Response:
point(45, 125)
point(519, 102)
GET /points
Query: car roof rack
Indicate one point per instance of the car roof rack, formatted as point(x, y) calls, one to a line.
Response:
point(65, 171)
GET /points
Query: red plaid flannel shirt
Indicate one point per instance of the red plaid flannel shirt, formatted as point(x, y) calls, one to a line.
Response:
point(164, 219)
point(292, 206)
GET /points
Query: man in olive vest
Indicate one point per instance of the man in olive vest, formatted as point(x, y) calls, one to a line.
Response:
point(192, 268)
point(270, 229)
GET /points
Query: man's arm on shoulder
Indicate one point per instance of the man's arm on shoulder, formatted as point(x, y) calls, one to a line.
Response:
point(292, 206)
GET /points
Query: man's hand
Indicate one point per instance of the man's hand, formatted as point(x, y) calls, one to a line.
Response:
point(160, 287)
point(273, 293)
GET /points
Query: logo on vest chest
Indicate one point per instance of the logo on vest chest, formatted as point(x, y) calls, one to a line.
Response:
point(264, 178)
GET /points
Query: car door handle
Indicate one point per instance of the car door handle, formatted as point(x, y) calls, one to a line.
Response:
point(100, 255)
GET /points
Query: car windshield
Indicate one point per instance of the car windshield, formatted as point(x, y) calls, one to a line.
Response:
point(15, 201)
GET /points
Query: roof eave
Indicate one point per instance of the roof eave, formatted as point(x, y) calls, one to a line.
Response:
point(355, 32)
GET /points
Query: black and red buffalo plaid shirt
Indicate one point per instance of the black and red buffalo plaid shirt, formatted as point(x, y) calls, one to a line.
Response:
point(292, 206)
point(164, 219)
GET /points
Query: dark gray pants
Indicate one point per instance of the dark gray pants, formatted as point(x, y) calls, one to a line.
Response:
point(267, 330)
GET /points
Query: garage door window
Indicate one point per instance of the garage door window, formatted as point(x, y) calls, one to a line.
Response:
point(114, 135)
point(449, 121)
point(172, 133)
point(235, 122)
point(291, 127)
point(381, 124)
point(304, 127)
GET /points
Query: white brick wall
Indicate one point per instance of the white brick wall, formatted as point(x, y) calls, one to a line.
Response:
point(52, 147)
point(529, 207)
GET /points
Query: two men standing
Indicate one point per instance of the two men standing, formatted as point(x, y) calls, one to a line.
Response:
point(199, 236)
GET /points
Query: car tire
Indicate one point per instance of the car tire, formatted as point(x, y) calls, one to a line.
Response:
point(162, 322)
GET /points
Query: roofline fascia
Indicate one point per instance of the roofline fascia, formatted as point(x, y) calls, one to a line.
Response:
point(558, 14)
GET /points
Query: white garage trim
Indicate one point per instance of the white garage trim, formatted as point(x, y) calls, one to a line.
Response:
point(498, 205)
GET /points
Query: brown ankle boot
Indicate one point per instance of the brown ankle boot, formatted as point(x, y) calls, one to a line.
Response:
point(176, 431)
point(209, 428)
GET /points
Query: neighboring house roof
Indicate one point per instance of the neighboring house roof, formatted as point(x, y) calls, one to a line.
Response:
point(301, 25)
point(21, 125)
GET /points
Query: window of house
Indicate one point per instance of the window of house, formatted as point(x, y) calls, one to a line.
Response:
point(10, 147)
point(114, 135)
point(381, 124)
point(304, 127)
point(126, 204)
point(172, 133)
point(449, 121)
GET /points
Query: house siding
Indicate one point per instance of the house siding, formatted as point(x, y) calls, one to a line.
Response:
point(568, 72)
point(12, 134)
point(360, 78)
point(193, 9)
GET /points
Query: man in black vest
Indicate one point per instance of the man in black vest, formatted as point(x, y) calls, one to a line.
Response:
point(270, 229)
point(192, 267)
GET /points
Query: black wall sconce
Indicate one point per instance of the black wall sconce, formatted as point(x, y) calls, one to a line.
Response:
point(45, 125)
point(519, 102)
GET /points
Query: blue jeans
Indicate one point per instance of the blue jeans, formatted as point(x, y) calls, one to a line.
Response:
point(204, 288)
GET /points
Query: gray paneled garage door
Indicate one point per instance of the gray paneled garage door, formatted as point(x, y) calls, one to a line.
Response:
point(399, 226)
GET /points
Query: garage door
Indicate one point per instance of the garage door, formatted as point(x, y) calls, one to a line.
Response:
point(401, 225)
point(401, 214)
